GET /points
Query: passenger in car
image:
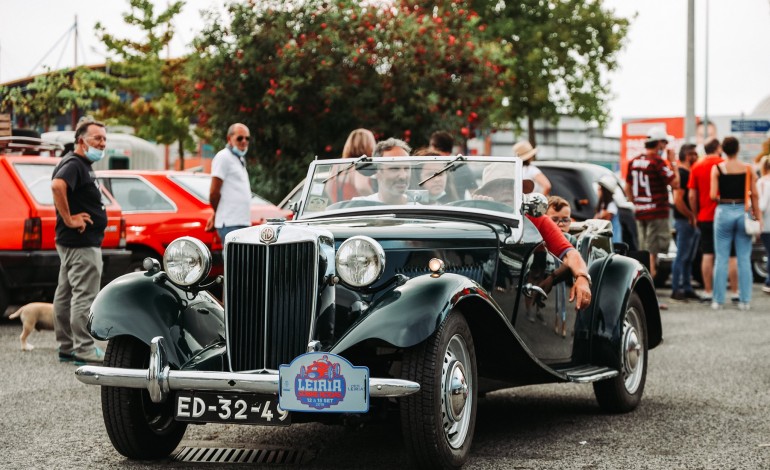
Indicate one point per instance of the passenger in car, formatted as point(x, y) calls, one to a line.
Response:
point(462, 179)
point(439, 191)
point(497, 185)
point(351, 183)
point(560, 212)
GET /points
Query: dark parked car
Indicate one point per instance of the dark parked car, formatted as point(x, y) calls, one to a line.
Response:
point(759, 261)
point(577, 182)
point(359, 307)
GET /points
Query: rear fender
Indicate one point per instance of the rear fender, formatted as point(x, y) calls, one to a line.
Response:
point(620, 276)
point(147, 305)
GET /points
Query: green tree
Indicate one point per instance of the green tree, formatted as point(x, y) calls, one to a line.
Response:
point(560, 52)
point(302, 75)
point(156, 104)
point(53, 94)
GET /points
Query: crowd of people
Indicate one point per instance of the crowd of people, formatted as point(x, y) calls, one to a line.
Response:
point(719, 204)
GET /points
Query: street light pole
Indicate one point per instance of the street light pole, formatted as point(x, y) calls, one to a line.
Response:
point(689, 122)
point(706, 81)
point(74, 114)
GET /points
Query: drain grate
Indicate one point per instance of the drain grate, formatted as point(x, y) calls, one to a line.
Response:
point(232, 455)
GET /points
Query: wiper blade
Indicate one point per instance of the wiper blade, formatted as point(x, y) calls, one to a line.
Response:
point(362, 159)
point(449, 166)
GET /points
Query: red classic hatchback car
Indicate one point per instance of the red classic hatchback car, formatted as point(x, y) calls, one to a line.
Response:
point(160, 206)
point(29, 263)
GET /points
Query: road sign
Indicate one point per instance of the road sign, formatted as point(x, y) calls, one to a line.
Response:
point(749, 125)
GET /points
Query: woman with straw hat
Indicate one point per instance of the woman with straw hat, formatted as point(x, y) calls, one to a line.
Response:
point(524, 150)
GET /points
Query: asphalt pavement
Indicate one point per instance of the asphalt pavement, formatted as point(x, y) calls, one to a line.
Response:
point(705, 406)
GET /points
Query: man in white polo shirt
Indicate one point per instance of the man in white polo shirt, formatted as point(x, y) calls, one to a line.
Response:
point(230, 193)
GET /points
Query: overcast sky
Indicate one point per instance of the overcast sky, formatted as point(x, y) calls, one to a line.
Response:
point(650, 82)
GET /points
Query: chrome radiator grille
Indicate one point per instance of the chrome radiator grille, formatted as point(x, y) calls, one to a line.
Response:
point(269, 303)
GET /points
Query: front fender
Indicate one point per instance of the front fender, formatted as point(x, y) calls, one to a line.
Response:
point(147, 305)
point(410, 313)
point(619, 277)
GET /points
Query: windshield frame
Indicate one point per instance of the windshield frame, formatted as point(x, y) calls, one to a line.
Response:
point(512, 219)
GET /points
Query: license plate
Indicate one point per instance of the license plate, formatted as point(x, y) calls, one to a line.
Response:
point(212, 407)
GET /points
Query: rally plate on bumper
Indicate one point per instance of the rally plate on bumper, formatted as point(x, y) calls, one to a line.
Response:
point(237, 408)
point(324, 382)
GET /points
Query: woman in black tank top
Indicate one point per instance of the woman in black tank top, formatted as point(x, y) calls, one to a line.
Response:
point(729, 182)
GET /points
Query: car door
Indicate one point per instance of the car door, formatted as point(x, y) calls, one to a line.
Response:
point(545, 321)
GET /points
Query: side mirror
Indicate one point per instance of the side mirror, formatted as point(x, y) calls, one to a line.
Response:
point(534, 205)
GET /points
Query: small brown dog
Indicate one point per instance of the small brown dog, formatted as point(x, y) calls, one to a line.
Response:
point(34, 316)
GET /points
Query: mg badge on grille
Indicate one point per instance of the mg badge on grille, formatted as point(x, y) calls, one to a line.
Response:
point(267, 235)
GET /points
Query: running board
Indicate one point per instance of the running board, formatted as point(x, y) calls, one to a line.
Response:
point(588, 373)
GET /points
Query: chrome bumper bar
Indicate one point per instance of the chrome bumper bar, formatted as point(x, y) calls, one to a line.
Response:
point(159, 379)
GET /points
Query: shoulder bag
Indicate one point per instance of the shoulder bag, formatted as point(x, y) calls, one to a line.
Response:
point(750, 223)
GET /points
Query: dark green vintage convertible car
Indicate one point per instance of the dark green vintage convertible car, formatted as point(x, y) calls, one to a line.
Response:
point(414, 297)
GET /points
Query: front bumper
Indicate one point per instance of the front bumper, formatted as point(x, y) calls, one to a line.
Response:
point(159, 379)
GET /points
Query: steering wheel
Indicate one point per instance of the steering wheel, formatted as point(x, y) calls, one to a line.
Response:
point(353, 203)
point(482, 204)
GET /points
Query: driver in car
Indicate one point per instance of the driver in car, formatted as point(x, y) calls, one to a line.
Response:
point(392, 183)
point(497, 185)
point(392, 178)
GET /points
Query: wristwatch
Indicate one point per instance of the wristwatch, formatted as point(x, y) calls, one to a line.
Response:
point(585, 275)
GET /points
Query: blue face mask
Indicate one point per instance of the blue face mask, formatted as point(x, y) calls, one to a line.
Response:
point(94, 154)
point(238, 152)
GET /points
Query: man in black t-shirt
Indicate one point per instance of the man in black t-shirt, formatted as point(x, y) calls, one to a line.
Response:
point(80, 222)
point(687, 233)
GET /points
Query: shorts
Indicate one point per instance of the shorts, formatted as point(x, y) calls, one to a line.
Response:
point(654, 235)
point(707, 239)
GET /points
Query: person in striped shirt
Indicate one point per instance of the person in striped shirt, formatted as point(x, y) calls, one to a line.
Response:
point(647, 180)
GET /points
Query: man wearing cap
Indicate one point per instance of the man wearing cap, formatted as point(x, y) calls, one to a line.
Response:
point(524, 150)
point(647, 181)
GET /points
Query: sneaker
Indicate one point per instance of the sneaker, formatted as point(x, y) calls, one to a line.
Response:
point(716, 306)
point(95, 356)
point(690, 294)
point(679, 295)
point(66, 357)
point(735, 299)
point(766, 289)
point(705, 297)
point(744, 306)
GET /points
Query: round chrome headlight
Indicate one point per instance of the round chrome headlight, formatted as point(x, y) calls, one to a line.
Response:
point(360, 261)
point(187, 261)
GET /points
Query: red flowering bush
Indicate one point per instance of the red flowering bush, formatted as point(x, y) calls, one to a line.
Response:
point(302, 75)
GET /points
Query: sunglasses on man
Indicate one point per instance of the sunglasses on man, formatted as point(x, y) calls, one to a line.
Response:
point(241, 138)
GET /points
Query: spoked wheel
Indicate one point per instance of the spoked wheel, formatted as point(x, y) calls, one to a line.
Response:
point(137, 427)
point(759, 268)
point(438, 421)
point(624, 392)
